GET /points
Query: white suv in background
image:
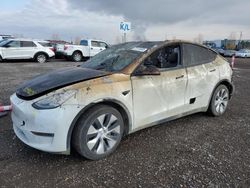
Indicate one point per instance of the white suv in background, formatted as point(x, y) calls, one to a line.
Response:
point(38, 50)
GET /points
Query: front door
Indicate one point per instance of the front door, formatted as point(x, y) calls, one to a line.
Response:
point(27, 49)
point(96, 47)
point(12, 50)
point(156, 98)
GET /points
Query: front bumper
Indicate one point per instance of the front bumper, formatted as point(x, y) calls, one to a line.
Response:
point(45, 130)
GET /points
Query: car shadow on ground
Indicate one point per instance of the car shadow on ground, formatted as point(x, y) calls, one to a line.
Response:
point(25, 152)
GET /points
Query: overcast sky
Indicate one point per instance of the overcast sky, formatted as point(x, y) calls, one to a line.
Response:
point(151, 19)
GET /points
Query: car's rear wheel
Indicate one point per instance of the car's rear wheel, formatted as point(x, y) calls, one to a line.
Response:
point(98, 132)
point(77, 56)
point(219, 101)
point(41, 58)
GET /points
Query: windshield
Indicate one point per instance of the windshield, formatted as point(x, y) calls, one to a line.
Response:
point(118, 57)
point(3, 42)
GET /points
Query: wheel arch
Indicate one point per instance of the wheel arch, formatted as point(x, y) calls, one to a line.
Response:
point(110, 102)
point(78, 51)
point(41, 52)
point(228, 84)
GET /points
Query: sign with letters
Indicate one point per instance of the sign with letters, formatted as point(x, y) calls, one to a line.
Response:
point(125, 27)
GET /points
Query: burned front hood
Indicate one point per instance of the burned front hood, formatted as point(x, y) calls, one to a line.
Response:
point(44, 84)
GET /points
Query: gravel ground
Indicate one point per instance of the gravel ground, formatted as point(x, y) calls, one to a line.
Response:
point(194, 151)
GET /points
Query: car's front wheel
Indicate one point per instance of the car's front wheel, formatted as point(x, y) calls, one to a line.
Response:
point(98, 132)
point(219, 101)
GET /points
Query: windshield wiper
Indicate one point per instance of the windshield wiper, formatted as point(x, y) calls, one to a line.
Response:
point(107, 65)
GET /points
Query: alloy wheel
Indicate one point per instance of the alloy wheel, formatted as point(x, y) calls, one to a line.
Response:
point(221, 101)
point(41, 58)
point(103, 134)
point(77, 57)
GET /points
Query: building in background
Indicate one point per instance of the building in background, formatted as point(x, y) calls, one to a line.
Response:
point(228, 44)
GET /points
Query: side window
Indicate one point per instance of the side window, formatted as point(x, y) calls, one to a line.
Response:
point(197, 55)
point(103, 44)
point(27, 44)
point(164, 58)
point(13, 44)
point(84, 42)
point(45, 44)
point(95, 44)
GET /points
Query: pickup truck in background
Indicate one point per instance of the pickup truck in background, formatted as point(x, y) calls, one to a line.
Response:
point(85, 50)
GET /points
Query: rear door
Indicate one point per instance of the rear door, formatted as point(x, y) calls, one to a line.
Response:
point(156, 98)
point(28, 49)
point(203, 75)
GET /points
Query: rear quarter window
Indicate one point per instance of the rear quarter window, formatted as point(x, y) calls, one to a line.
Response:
point(197, 55)
point(27, 44)
point(45, 44)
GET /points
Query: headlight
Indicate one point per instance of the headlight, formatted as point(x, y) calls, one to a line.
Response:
point(55, 100)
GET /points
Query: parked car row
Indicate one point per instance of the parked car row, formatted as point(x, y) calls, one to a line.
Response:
point(244, 53)
point(41, 51)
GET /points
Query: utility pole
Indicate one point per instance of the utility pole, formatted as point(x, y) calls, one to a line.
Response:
point(240, 44)
point(124, 38)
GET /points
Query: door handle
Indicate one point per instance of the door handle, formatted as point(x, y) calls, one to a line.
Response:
point(100, 48)
point(213, 70)
point(179, 77)
point(91, 48)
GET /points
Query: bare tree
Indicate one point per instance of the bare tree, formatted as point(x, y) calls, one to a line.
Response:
point(55, 36)
point(199, 39)
point(118, 40)
point(16, 35)
point(232, 36)
point(77, 40)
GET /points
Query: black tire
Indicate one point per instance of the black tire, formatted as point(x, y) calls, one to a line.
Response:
point(1, 59)
point(89, 137)
point(219, 101)
point(77, 56)
point(41, 58)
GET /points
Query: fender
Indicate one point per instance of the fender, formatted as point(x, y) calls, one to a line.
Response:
point(42, 53)
point(112, 102)
point(227, 83)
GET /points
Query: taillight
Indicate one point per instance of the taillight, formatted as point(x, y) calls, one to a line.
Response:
point(232, 62)
point(52, 49)
point(65, 47)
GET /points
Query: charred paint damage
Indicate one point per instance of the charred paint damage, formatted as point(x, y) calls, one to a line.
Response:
point(129, 86)
point(44, 84)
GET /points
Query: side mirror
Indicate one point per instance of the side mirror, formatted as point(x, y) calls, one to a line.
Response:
point(149, 70)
